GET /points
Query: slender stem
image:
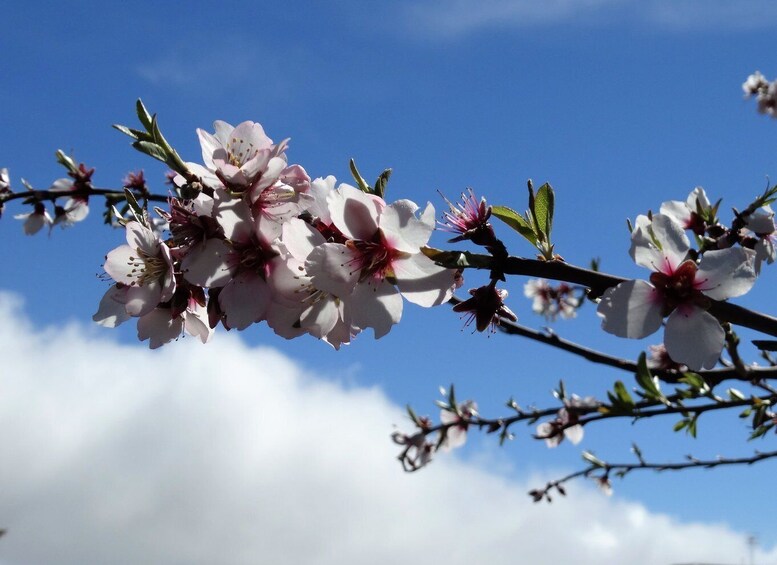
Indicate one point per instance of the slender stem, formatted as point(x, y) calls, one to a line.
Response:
point(712, 377)
point(41, 195)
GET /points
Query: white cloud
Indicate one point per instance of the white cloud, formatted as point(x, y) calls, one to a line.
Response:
point(229, 454)
point(451, 18)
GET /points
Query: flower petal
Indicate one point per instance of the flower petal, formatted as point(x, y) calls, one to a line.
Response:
point(244, 300)
point(402, 230)
point(726, 273)
point(693, 337)
point(376, 305)
point(330, 268)
point(632, 309)
point(423, 282)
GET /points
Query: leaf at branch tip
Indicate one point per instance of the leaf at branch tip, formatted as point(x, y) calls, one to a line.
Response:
point(133, 133)
point(143, 115)
point(135, 208)
point(623, 394)
point(544, 203)
point(680, 425)
point(151, 149)
point(735, 394)
point(515, 221)
point(381, 183)
point(593, 459)
point(360, 182)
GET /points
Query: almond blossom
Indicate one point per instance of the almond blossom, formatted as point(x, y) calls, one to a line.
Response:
point(761, 223)
point(145, 266)
point(687, 213)
point(35, 220)
point(381, 259)
point(680, 289)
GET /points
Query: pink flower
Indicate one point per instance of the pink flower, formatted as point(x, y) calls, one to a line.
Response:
point(75, 208)
point(145, 266)
point(469, 219)
point(380, 259)
point(679, 288)
point(458, 420)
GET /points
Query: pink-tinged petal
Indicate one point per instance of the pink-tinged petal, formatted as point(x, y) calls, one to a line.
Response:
point(296, 177)
point(210, 143)
point(422, 282)
point(632, 309)
point(143, 299)
point(693, 337)
point(244, 300)
point(341, 334)
point(726, 273)
point(111, 311)
point(159, 328)
point(764, 251)
point(332, 268)
point(401, 229)
point(62, 185)
point(208, 264)
point(354, 212)
point(76, 210)
point(376, 305)
point(289, 282)
point(548, 432)
point(120, 264)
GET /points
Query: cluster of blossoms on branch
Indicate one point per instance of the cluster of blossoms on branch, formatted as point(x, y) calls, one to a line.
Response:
point(261, 241)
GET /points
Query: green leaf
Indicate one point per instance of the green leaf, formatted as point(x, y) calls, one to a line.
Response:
point(544, 203)
point(412, 414)
point(133, 133)
point(360, 182)
point(680, 425)
point(143, 115)
point(380, 184)
point(151, 149)
point(647, 380)
point(515, 221)
point(734, 394)
point(136, 209)
point(623, 394)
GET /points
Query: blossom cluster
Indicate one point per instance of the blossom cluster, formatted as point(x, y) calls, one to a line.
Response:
point(765, 93)
point(261, 241)
point(685, 281)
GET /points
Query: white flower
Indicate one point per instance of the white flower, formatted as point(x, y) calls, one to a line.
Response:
point(381, 258)
point(687, 213)
point(145, 266)
point(35, 220)
point(679, 288)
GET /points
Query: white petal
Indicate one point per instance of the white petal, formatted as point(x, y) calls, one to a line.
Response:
point(111, 311)
point(244, 300)
point(574, 434)
point(693, 337)
point(677, 210)
point(422, 282)
point(158, 327)
point(300, 238)
point(697, 195)
point(332, 268)
point(401, 229)
point(632, 309)
point(376, 305)
point(208, 264)
point(354, 212)
point(726, 273)
point(120, 264)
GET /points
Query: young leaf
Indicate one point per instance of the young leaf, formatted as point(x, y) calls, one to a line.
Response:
point(151, 149)
point(515, 221)
point(143, 115)
point(544, 203)
point(360, 182)
point(380, 184)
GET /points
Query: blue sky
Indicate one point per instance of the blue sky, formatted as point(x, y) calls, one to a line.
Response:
point(620, 105)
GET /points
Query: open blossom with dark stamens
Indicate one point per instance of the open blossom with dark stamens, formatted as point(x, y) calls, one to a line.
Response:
point(380, 259)
point(485, 307)
point(679, 288)
point(145, 266)
point(469, 219)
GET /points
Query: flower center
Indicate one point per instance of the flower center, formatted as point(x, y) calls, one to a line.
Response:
point(374, 258)
point(678, 287)
point(147, 268)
